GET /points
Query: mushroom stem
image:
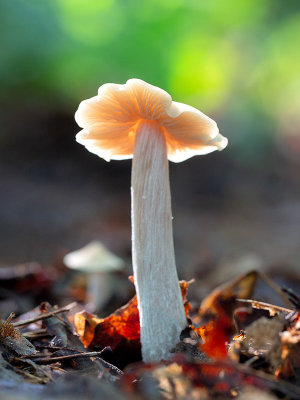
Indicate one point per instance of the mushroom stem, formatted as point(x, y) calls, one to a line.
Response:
point(97, 289)
point(162, 316)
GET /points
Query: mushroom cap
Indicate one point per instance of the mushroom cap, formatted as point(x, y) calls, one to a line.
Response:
point(110, 120)
point(94, 257)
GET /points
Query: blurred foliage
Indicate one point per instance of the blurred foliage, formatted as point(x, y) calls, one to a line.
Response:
point(238, 61)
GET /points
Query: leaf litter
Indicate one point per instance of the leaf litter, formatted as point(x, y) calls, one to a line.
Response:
point(235, 347)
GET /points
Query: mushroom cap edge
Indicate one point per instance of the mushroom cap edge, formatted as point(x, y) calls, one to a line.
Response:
point(110, 119)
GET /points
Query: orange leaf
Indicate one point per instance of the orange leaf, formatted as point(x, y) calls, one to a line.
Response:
point(120, 330)
point(85, 326)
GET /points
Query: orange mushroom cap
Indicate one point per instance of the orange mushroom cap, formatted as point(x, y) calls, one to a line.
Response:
point(110, 119)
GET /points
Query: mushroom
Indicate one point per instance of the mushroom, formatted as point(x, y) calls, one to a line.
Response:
point(96, 261)
point(141, 121)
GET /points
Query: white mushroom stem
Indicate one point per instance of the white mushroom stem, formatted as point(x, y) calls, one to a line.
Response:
point(160, 304)
point(98, 289)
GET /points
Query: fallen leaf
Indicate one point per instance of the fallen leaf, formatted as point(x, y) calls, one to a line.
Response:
point(120, 330)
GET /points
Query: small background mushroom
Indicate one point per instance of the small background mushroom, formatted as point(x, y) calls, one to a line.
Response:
point(97, 262)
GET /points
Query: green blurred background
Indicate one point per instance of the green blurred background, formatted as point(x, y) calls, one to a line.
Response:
point(237, 61)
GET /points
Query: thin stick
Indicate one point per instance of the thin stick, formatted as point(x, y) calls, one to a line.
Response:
point(44, 316)
point(266, 306)
point(57, 349)
point(34, 334)
point(47, 360)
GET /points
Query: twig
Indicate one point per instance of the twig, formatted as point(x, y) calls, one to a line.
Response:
point(55, 348)
point(44, 316)
point(266, 306)
point(35, 334)
point(46, 360)
point(36, 378)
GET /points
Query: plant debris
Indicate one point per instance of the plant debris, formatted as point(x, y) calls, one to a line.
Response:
point(235, 347)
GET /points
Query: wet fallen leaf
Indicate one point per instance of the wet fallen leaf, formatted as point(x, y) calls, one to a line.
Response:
point(120, 330)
